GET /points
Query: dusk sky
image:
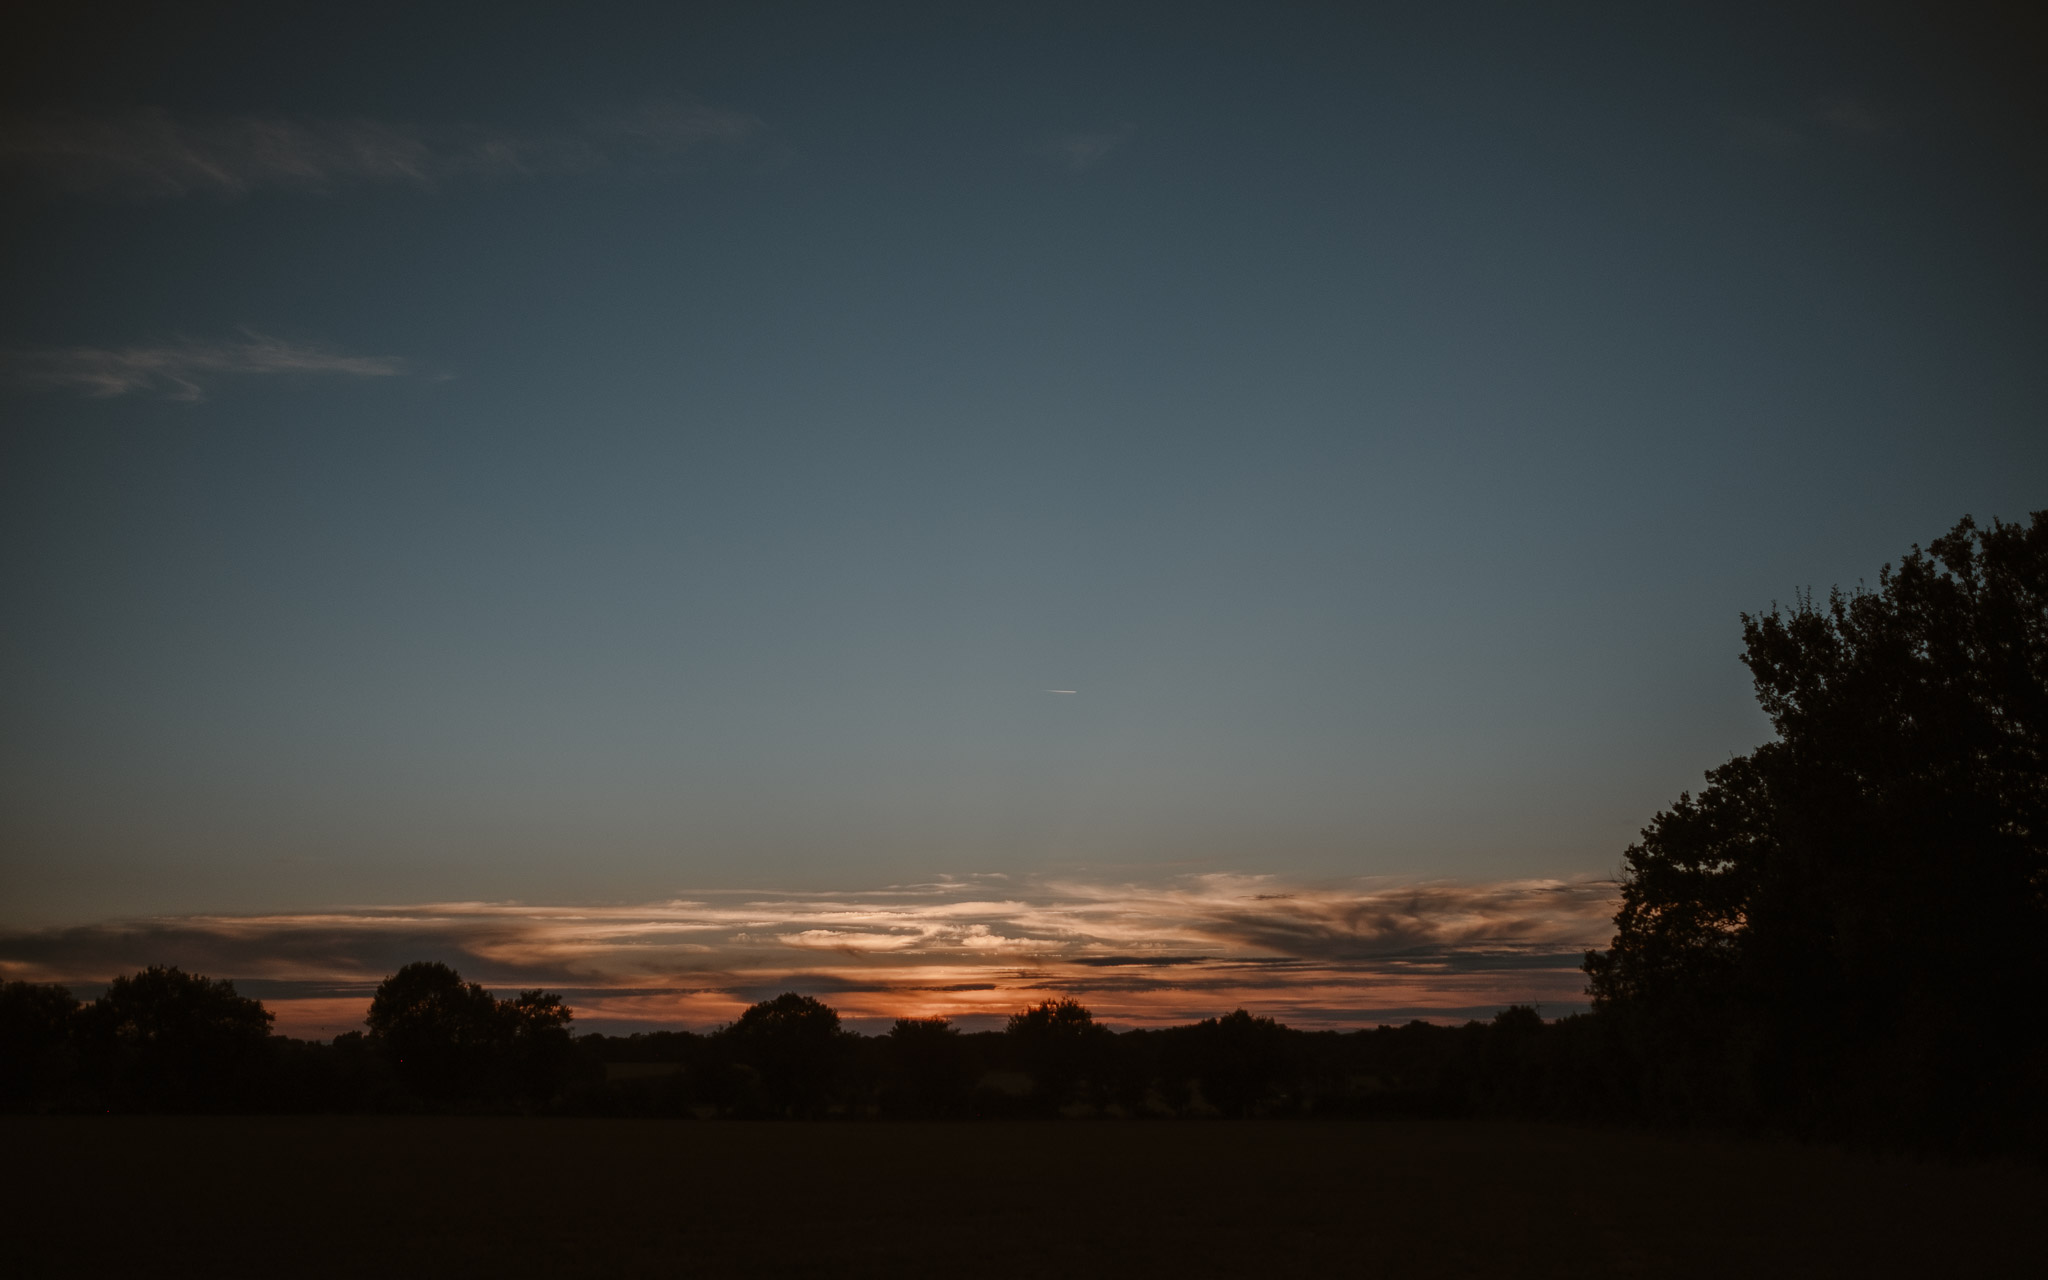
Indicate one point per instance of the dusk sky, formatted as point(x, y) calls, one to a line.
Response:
point(607, 496)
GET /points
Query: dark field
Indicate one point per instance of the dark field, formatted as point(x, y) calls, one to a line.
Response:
point(460, 1197)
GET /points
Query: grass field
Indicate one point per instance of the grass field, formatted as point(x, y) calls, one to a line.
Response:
point(475, 1197)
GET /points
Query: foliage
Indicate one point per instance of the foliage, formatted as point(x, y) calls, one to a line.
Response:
point(1060, 1044)
point(790, 1058)
point(786, 1055)
point(442, 1035)
point(448, 1040)
point(1845, 931)
point(167, 1040)
point(927, 1067)
point(36, 1053)
point(539, 1049)
point(1237, 1060)
point(1844, 928)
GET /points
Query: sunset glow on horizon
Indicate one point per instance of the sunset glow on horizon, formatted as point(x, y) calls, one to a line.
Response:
point(1311, 955)
point(941, 506)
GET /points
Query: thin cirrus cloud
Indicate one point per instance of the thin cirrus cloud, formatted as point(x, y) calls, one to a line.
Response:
point(180, 369)
point(1841, 116)
point(1848, 114)
point(153, 154)
point(1081, 152)
point(1312, 955)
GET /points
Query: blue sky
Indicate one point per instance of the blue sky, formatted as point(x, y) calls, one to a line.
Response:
point(608, 454)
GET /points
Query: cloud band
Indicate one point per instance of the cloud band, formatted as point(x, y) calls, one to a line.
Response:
point(1329, 955)
point(152, 154)
point(178, 370)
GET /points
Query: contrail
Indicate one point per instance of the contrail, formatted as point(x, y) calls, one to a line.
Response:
point(1063, 691)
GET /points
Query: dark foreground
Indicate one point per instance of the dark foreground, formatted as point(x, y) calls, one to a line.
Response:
point(496, 1196)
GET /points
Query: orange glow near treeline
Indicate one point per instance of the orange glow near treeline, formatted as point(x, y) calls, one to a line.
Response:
point(1328, 955)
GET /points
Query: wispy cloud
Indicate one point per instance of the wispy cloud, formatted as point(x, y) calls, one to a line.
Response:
point(1763, 134)
point(1313, 955)
point(152, 154)
point(179, 369)
point(1848, 114)
point(1838, 116)
point(1080, 152)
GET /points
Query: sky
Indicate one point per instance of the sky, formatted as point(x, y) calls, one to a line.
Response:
point(606, 495)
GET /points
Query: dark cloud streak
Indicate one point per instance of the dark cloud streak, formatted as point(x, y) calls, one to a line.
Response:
point(150, 154)
point(1133, 951)
point(179, 369)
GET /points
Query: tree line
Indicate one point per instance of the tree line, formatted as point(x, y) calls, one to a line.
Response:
point(167, 1041)
point(1844, 934)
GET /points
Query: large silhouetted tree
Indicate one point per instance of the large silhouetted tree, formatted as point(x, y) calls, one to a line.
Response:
point(791, 1051)
point(1060, 1044)
point(1852, 920)
point(167, 1040)
point(37, 1023)
point(927, 1067)
point(1237, 1059)
point(539, 1052)
point(445, 1038)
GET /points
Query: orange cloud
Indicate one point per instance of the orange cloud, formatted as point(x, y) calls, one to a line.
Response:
point(1313, 955)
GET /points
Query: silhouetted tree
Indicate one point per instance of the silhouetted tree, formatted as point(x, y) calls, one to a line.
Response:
point(540, 1052)
point(1237, 1059)
point(927, 1067)
point(36, 1052)
point(444, 1037)
point(1060, 1044)
point(1849, 921)
point(167, 1040)
point(789, 1051)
